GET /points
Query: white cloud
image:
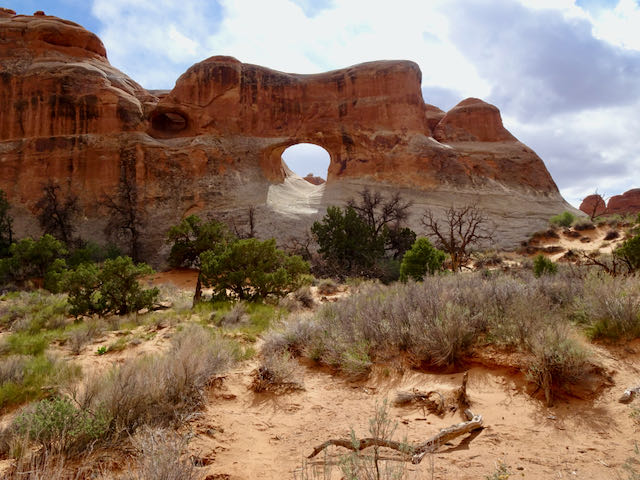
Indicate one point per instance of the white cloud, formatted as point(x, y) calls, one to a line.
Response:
point(565, 86)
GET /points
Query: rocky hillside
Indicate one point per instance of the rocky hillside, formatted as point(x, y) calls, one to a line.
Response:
point(626, 204)
point(213, 144)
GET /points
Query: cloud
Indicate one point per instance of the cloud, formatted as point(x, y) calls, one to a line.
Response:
point(539, 62)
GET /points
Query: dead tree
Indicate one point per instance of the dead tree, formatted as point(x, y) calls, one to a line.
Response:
point(125, 216)
point(599, 207)
point(379, 211)
point(461, 228)
point(56, 212)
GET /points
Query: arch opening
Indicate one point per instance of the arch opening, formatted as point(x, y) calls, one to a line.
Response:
point(308, 161)
point(169, 122)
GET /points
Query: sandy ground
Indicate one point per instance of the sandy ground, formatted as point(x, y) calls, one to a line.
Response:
point(245, 435)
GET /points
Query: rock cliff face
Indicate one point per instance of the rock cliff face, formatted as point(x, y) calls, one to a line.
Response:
point(213, 144)
point(627, 203)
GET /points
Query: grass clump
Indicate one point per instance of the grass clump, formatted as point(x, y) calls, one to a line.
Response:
point(610, 308)
point(278, 372)
point(162, 456)
point(24, 378)
point(32, 311)
point(557, 360)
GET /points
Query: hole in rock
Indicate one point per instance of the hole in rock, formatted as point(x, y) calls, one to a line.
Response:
point(308, 161)
point(169, 122)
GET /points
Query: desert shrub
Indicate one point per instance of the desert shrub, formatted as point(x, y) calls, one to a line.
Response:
point(304, 296)
point(557, 360)
point(524, 314)
point(487, 259)
point(24, 378)
point(544, 266)
point(162, 456)
point(421, 259)
point(327, 286)
point(236, 316)
point(564, 219)
point(60, 426)
point(278, 372)
point(630, 252)
point(112, 288)
point(78, 337)
point(610, 307)
point(160, 390)
point(253, 269)
point(33, 311)
point(612, 235)
point(581, 225)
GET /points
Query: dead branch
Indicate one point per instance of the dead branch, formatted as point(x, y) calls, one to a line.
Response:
point(460, 395)
point(417, 452)
point(447, 434)
point(423, 399)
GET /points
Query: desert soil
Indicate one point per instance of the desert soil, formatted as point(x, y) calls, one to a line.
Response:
point(245, 435)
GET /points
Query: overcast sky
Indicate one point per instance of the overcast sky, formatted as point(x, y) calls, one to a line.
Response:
point(564, 73)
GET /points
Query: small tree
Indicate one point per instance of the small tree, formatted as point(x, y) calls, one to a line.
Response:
point(461, 228)
point(56, 214)
point(192, 237)
point(252, 269)
point(30, 258)
point(6, 225)
point(385, 217)
point(346, 241)
point(421, 259)
point(113, 288)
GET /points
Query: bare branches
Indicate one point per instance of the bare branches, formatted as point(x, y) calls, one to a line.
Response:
point(460, 228)
point(379, 211)
point(56, 212)
point(414, 453)
point(126, 216)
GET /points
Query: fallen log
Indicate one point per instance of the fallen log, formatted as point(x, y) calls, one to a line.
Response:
point(421, 398)
point(413, 452)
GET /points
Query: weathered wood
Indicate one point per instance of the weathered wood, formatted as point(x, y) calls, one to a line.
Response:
point(445, 435)
point(363, 443)
point(416, 453)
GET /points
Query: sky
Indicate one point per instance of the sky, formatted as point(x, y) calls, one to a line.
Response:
point(564, 73)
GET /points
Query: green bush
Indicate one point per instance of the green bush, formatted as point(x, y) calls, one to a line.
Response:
point(30, 258)
point(346, 241)
point(543, 266)
point(564, 219)
point(33, 311)
point(421, 259)
point(190, 239)
point(112, 288)
point(60, 426)
point(630, 252)
point(252, 269)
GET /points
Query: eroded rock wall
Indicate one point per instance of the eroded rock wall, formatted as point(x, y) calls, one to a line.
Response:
point(213, 144)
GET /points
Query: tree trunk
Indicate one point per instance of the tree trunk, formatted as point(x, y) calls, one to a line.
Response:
point(198, 293)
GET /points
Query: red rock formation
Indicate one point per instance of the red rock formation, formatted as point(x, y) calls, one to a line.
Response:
point(214, 142)
point(312, 179)
point(593, 205)
point(627, 203)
